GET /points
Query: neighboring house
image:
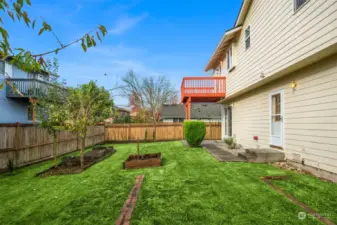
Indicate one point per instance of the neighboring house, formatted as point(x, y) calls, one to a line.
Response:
point(14, 107)
point(172, 113)
point(280, 62)
point(201, 89)
point(207, 112)
point(119, 113)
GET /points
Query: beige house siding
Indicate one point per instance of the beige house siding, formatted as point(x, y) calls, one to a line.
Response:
point(310, 115)
point(280, 38)
point(222, 67)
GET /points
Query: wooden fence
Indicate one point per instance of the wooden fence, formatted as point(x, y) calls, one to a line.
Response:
point(27, 144)
point(164, 132)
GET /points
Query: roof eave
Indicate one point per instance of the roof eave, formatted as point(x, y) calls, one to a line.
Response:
point(238, 23)
point(243, 12)
point(225, 40)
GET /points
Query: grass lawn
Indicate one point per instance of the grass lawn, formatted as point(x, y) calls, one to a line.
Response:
point(191, 188)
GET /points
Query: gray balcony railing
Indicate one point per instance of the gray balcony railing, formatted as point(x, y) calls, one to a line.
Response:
point(28, 88)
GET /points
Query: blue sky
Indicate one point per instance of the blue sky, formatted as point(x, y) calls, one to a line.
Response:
point(174, 38)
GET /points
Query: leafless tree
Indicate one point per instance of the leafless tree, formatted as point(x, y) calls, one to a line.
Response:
point(150, 92)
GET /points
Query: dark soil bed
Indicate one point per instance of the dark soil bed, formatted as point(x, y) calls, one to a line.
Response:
point(72, 164)
point(142, 161)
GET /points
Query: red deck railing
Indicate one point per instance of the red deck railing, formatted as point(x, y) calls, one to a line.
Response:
point(203, 88)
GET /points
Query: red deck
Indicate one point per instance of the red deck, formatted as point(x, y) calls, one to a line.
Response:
point(201, 89)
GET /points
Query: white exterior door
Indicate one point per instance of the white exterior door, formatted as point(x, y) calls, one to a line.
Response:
point(223, 122)
point(226, 121)
point(276, 119)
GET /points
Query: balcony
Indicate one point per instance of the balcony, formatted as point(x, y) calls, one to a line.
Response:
point(28, 88)
point(203, 89)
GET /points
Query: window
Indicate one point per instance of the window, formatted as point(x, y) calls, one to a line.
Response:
point(276, 110)
point(229, 55)
point(247, 37)
point(299, 3)
point(2, 67)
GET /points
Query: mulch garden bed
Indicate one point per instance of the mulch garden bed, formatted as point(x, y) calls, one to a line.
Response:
point(142, 161)
point(72, 164)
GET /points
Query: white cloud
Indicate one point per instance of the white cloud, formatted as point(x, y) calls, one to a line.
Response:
point(119, 51)
point(125, 23)
point(137, 66)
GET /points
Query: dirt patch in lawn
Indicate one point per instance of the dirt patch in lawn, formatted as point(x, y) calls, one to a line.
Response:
point(72, 164)
point(287, 166)
point(268, 180)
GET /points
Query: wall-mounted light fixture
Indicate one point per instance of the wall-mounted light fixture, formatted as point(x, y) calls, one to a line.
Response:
point(293, 85)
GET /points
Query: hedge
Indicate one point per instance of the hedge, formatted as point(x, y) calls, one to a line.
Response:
point(194, 132)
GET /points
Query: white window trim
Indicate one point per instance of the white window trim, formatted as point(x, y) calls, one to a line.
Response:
point(247, 38)
point(299, 8)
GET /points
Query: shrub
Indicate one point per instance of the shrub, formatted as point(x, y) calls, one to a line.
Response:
point(231, 142)
point(194, 132)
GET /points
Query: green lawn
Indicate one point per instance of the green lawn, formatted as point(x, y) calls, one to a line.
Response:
point(190, 188)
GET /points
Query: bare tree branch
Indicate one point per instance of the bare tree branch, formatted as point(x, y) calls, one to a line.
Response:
point(150, 92)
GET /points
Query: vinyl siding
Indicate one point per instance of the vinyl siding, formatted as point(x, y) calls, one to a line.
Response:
point(310, 115)
point(223, 66)
point(281, 38)
point(13, 110)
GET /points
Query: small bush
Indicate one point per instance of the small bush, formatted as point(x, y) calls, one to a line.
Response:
point(231, 142)
point(194, 132)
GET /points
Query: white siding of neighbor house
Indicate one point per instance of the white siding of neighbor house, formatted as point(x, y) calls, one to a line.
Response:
point(210, 120)
point(280, 37)
point(310, 115)
point(168, 120)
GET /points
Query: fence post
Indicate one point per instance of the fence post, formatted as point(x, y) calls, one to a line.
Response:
point(182, 131)
point(129, 131)
point(17, 142)
point(17, 136)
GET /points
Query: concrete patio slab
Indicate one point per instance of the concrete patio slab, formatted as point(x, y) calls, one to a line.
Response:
point(222, 153)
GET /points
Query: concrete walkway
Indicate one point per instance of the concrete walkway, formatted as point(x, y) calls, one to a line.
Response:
point(221, 152)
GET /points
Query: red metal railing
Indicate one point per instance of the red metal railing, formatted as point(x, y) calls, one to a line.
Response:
point(203, 87)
